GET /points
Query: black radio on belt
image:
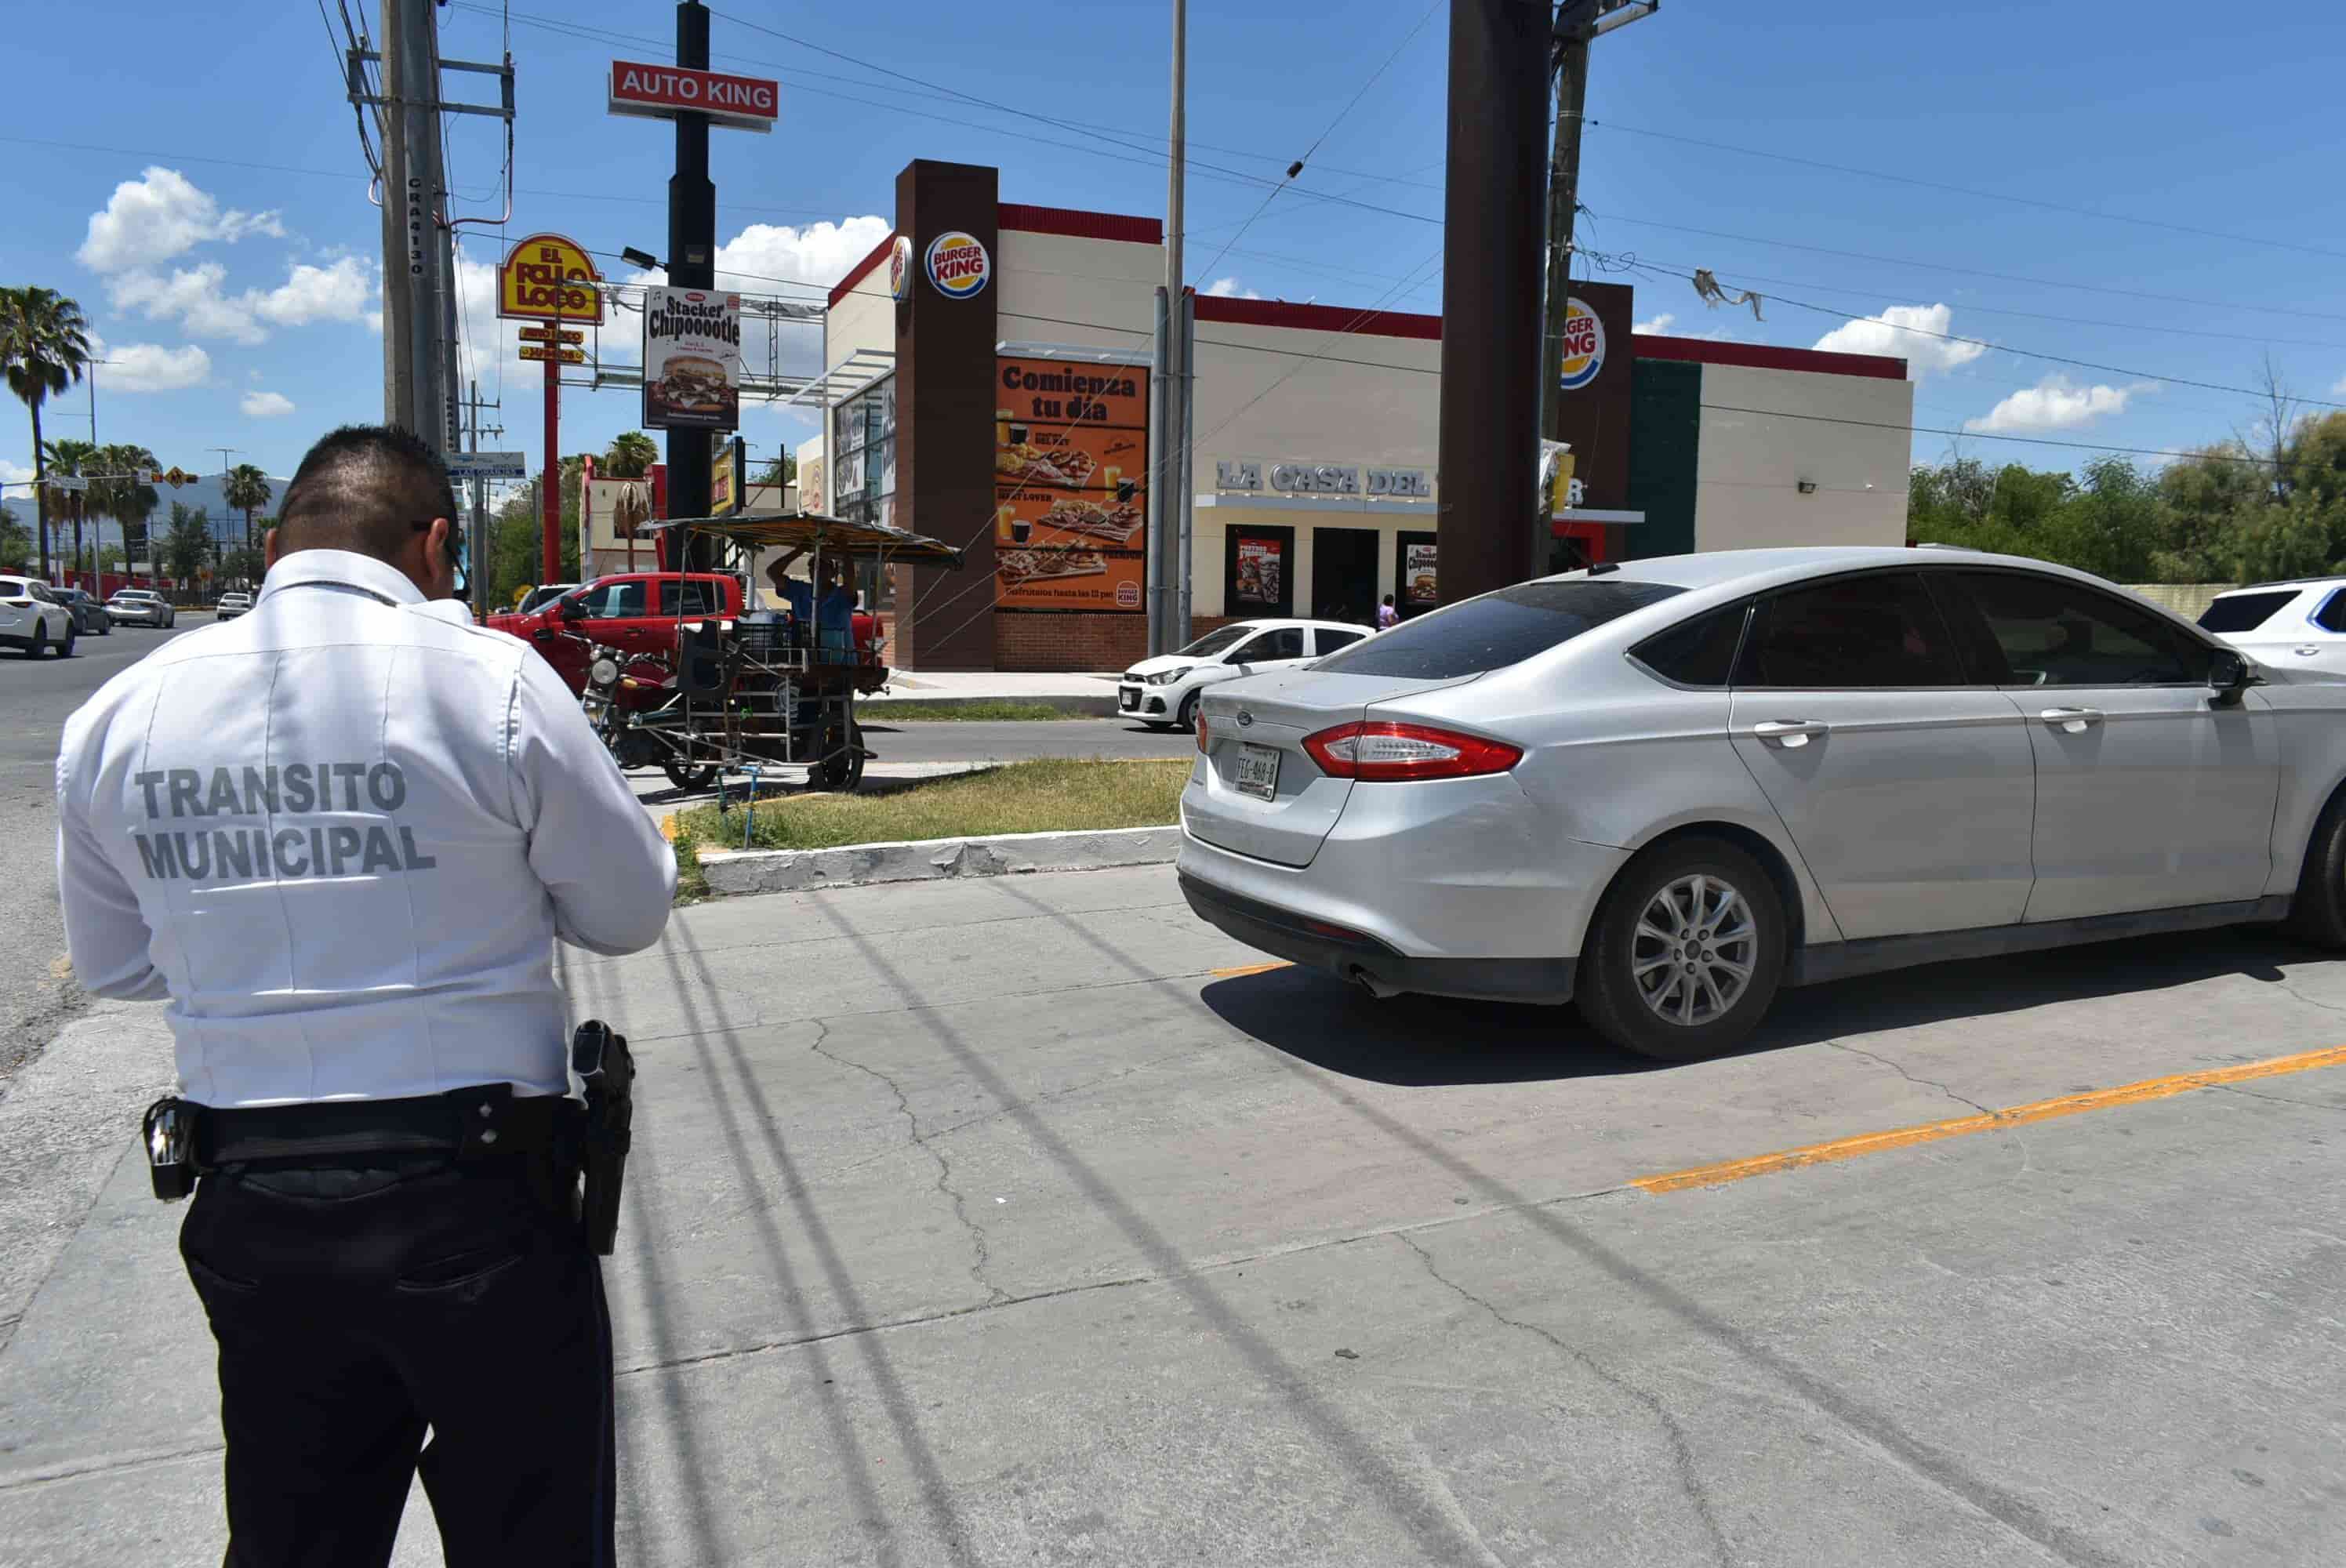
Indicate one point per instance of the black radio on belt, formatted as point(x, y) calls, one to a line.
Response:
point(600, 1055)
point(168, 1132)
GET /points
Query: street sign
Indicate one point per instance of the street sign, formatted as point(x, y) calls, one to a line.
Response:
point(550, 335)
point(487, 466)
point(65, 481)
point(178, 476)
point(663, 92)
point(145, 475)
point(546, 351)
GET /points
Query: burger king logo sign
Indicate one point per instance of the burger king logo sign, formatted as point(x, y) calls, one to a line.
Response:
point(1583, 346)
point(958, 265)
point(900, 270)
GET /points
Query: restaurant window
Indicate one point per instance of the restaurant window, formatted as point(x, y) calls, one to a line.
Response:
point(864, 476)
point(1257, 568)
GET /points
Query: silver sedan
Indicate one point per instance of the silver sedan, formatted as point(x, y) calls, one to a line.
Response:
point(1666, 788)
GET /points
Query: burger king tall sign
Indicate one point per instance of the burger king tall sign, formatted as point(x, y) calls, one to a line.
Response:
point(958, 265)
point(1583, 346)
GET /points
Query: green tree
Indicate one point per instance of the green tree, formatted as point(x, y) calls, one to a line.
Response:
point(120, 496)
point(246, 489)
point(245, 565)
point(515, 534)
point(631, 456)
point(44, 345)
point(188, 545)
point(15, 543)
point(781, 471)
point(75, 460)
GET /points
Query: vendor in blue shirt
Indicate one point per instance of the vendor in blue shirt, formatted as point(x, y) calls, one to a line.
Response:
point(833, 620)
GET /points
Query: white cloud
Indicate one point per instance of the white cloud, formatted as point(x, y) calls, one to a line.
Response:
point(2054, 404)
point(1660, 323)
point(152, 368)
point(2338, 387)
point(1898, 330)
point(160, 215)
point(195, 296)
point(1228, 288)
point(266, 405)
point(14, 473)
point(816, 253)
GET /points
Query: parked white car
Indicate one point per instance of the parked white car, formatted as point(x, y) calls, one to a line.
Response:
point(1662, 789)
point(1164, 690)
point(141, 606)
point(2289, 626)
point(231, 606)
point(32, 619)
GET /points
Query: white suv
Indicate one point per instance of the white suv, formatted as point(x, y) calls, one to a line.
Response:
point(1164, 690)
point(2289, 626)
point(231, 606)
point(32, 620)
point(144, 606)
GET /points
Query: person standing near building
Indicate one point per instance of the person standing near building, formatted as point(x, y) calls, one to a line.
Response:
point(342, 835)
point(1388, 617)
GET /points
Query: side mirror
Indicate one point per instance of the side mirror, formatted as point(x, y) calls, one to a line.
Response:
point(2229, 674)
point(573, 611)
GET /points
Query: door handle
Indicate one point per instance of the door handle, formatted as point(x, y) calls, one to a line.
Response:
point(1788, 733)
point(2305, 651)
point(2071, 720)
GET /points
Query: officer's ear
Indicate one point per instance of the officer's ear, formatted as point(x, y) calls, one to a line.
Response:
point(268, 550)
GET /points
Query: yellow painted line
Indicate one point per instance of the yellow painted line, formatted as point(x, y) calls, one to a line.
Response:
point(1250, 969)
point(1995, 1121)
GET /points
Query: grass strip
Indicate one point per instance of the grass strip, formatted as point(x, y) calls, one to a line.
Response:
point(991, 711)
point(1047, 795)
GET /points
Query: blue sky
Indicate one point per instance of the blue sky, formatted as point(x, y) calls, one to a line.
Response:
point(239, 299)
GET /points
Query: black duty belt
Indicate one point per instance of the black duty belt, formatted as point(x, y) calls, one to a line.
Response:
point(485, 1120)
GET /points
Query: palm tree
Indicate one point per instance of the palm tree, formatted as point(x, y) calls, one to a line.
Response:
point(44, 344)
point(631, 456)
point(246, 489)
point(120, 496)
point(75, 460)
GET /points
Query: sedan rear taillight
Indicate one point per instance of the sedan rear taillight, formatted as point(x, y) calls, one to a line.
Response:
point(1201, 731)
point(1386, 752)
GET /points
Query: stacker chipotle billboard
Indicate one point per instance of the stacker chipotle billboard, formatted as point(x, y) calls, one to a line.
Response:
point(1070, 478)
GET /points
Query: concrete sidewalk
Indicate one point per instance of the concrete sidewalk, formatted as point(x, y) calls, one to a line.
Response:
point(986, 1223)
point(1093, 694)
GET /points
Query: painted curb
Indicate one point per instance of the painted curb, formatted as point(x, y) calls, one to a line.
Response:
point(733, 872)
point(1101, 706)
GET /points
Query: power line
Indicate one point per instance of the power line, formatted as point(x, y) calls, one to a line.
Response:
point(1972, 191)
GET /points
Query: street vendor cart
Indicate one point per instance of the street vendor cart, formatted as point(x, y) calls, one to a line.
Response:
point(765, 690)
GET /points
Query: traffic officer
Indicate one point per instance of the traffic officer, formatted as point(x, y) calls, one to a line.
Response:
point(341, 834)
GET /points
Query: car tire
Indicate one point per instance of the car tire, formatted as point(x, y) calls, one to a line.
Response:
point(1189, 714)
point(2318, 913)
point(1646, 991)
point(39, 645)
point(66, 648)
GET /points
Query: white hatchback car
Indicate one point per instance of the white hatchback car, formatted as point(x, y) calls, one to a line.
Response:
point(2289, 626)
point(1164, 690)
point(1666, 788)
point(32, 619)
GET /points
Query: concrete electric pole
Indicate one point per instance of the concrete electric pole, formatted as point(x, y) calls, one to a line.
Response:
point(1170, 480)
point(416, 293)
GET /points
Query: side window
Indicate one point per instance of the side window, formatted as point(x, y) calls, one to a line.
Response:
point(2331, 615)
point(1285, 642)
point(616, 601)
point(1852, 633)
point(1700, 652)
point(1328, 642)
point(2054, 632)
point(694, 595)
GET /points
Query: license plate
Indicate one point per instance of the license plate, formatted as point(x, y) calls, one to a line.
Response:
point(1127, 701)
point(1257, 771)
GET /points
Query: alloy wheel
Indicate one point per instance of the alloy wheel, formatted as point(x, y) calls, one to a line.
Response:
point(1696, 949)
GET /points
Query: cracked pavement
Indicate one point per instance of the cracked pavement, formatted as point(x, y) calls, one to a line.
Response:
point(980, 1222)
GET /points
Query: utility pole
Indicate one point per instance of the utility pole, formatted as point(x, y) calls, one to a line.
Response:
point(1164, 547)
point(225, 452)
point(691, 264)
point(476, 567)
point(1577, 25)
point(416, 395)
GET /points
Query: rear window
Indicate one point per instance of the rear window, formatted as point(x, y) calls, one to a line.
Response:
point(1496, 630)
point(2243, 611)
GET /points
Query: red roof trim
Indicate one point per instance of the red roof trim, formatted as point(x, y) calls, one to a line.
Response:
point(861, 270)
point(1319, 318)
point(1081, 225)
point(1766, 357)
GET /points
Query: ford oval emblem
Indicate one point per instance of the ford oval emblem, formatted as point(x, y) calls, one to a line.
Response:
point(1245, 719)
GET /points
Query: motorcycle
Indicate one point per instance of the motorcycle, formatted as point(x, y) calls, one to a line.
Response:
point(619, 687)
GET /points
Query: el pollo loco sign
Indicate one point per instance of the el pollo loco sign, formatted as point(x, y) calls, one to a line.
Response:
point(662, 92)
point(546, 278)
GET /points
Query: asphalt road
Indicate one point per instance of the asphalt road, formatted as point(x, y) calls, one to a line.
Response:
point(38, 696)
point(1026, 1220)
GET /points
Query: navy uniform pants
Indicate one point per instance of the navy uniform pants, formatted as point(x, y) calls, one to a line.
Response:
point(357, 1310)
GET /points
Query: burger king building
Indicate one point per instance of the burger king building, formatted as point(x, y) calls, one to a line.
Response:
point(987, 382)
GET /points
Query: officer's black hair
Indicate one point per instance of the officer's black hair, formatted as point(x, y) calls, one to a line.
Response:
point(364, 488)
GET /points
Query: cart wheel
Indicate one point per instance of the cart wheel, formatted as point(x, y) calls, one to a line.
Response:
point(688, 778)
point(841, 768)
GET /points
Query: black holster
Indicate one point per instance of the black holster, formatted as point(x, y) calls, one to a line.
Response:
point(600, 1055)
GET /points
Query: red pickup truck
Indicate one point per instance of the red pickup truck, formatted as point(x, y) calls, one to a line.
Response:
point(637, 612)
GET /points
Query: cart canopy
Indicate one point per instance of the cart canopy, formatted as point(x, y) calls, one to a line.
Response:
point(831, 535)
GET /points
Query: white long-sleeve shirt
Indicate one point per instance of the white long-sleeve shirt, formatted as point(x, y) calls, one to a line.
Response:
point(342, 833)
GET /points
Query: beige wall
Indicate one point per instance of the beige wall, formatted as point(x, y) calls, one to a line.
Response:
point(1056, 288)
point(1750, 464)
